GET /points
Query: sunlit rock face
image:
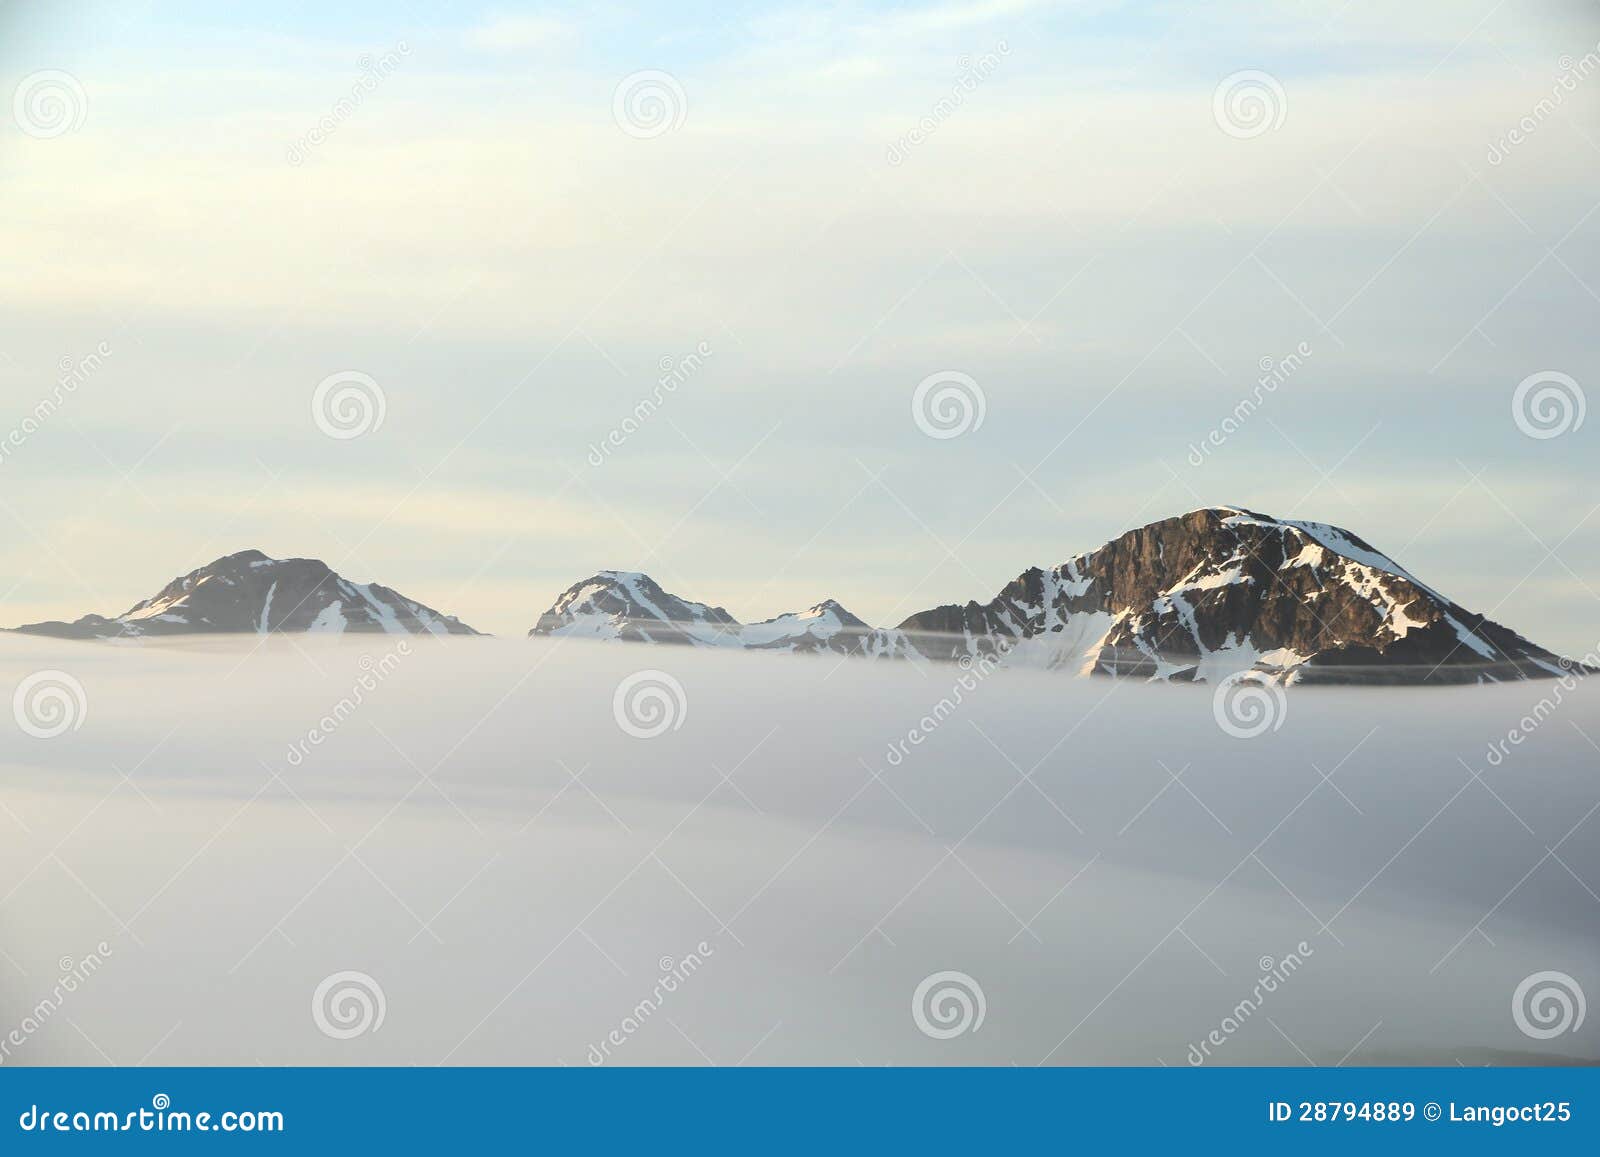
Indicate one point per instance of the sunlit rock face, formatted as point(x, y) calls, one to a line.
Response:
point(1199, 597)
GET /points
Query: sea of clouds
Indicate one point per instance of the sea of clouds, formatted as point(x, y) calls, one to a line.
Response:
point(484, 851)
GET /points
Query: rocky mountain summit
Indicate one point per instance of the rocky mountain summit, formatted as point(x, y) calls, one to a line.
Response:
point(251, 593)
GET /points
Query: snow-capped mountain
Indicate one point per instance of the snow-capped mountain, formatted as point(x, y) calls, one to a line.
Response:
point(824, 627)
point(631, 607)
point(249, 592)
point(1201, 596)
point(1222, 590)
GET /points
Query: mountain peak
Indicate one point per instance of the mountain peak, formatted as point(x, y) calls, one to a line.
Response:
point(831, 606)
point(1225, 510)
point(1223, 590)
point(249, 592)
point(628, 606)
point(631, 606)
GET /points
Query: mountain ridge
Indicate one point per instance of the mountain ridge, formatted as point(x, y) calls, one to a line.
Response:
point(1213, 593)
point(1201, 596)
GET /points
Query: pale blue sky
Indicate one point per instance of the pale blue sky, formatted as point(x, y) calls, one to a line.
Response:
point(1079, 236)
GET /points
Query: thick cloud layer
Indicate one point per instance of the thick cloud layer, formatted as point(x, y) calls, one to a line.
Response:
point(533, 851)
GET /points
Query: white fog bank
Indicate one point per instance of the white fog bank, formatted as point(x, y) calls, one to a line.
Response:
point(488, 832)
